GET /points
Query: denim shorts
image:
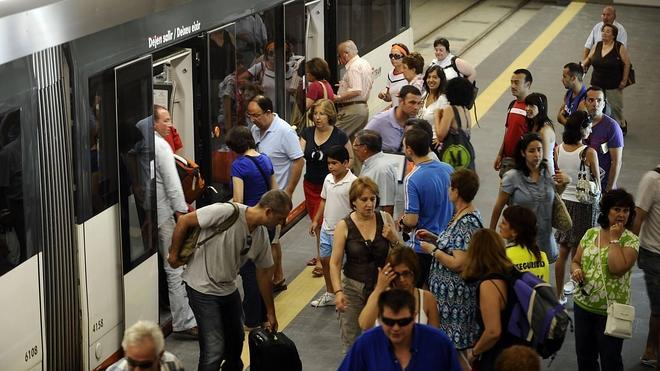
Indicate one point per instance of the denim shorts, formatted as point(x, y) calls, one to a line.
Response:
point(649, 262)
point(325, 244)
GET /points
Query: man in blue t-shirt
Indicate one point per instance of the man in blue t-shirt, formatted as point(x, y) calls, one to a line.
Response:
point(576, 91)
point(399, 343)
point(426, 191)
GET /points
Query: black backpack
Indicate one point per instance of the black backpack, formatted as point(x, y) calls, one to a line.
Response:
point(457, 150)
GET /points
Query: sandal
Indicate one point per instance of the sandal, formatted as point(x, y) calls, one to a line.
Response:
point(279, 286)
point(312, 262)
point(649, 362)
point(317, 272)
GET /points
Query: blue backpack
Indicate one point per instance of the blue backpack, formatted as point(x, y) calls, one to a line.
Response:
point(537, 317)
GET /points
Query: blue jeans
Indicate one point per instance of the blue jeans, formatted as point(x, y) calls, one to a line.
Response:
point(220, 330)
point(591, 343)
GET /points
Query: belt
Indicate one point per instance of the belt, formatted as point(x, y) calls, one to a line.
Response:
point(346, 104)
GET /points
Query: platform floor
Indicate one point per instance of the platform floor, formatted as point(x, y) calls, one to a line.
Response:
point(316, 330)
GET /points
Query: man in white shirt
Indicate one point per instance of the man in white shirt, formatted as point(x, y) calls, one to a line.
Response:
point(607, 17)
point(171, 204)
point(647, 227)
point(368, 148)
point(354, 88)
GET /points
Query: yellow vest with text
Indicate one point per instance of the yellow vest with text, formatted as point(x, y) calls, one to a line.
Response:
point(525, 261)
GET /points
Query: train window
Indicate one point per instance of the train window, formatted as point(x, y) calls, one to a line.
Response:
point(294, 36)
point(100, 166)
point(370, 23)
point(135, 133)
point(13, 246)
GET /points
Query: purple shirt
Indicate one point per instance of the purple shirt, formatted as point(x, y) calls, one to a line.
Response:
point(390, 130)
point(607, 134)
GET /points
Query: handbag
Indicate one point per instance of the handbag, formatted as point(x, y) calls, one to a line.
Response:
point(301, 120)
point(620, 317)
point(561, 219)
point(631, 73)
point(191, 243)
point(586, 191)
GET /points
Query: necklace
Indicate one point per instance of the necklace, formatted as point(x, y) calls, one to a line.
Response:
point(458, 213)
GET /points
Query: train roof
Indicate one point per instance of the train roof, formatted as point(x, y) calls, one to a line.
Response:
point(29, 26)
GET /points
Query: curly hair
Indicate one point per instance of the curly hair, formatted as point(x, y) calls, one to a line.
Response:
point(441, 74)
point(616, 198)
point(460, 92)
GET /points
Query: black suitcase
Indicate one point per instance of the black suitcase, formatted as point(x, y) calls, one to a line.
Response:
point(272, 351)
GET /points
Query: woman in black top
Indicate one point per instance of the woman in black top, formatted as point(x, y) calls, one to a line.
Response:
point(364, 238)
point(611, 69)
point(315, 140)
point(487, 262)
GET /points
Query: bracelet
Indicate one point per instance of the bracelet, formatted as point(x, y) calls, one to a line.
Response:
point(338, 291)
point(615, 242)
point(434, 250)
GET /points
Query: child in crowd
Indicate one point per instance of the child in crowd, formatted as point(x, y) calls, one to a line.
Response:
point(335, 195)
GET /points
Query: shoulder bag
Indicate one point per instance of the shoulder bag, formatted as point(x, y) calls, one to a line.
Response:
point(620, 317)
point(586, 191)
point(561, 219)
point(192, 243)
point(302, 120)
point(631, 73)
point(261, 171)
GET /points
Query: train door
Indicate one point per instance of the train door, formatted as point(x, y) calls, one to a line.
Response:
point(137, 189)
point(314, 31)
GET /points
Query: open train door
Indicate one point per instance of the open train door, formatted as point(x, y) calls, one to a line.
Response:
point(137, 189)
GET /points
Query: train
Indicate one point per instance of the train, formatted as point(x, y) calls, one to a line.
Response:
point(78, 249)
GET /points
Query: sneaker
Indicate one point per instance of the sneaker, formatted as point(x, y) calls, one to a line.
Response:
point(562, 299)
point(325, 300)
point(570, 287)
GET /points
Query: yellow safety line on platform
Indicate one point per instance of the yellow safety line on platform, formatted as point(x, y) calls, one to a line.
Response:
point(290, 302)
point(301, 290)
point(487, 98)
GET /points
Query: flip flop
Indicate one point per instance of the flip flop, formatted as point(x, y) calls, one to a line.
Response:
point(317, 272)
point(279, 286)
point(649, 362)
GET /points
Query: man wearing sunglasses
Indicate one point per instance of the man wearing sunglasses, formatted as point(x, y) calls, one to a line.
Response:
point(144, 349)
point(212, 270)
point(399, 343)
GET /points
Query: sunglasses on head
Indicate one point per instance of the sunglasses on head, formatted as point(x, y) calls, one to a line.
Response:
point(139, 364)
point(248, 242)
point(396, 56)
point(401, 321)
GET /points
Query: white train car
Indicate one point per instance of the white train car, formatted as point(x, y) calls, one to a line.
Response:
point(78, 249)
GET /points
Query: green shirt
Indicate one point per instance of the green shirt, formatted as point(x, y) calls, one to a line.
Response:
point(592, 296)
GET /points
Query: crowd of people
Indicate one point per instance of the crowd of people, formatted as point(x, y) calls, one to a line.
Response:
point(407, 260)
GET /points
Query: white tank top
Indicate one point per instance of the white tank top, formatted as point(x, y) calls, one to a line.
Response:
point(569, 163)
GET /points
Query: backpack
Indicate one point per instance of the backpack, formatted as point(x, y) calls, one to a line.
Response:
point(537, 317)
point(191, 178)
point(457, 150)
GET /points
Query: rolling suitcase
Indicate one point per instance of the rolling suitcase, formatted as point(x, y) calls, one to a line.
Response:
point(272, 351)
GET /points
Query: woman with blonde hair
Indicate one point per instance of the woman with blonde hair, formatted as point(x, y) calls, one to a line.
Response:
point(315, 142)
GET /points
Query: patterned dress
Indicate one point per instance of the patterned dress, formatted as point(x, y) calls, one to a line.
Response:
point(457, 300)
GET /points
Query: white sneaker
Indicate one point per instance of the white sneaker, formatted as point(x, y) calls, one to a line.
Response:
point(325, 300)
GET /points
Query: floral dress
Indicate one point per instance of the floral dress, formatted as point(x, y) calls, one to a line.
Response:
point(457, 299)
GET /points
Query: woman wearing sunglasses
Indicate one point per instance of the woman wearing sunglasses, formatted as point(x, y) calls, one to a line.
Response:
point(400, 271)
point(363, 238)
point(395, 78)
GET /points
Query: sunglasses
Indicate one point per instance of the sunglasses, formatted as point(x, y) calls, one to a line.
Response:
point(396, 56)
point(401, 321)
point(139, 364)
point(248, 242)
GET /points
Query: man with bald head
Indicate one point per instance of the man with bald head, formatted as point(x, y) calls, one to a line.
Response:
point(354, 88)
point(608, 16)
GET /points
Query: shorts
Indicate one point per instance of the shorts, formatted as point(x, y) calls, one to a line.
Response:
point(312, 199)
point(649, 262)
point(325, 245)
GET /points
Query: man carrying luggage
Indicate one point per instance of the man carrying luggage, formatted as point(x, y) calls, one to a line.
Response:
point(212, 269)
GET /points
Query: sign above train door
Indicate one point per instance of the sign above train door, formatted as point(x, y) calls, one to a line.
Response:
point(173, 33)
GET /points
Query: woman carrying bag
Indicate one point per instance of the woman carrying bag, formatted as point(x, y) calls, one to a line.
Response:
point(601, 267)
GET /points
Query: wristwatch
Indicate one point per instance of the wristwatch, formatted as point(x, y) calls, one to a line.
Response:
point(615, 242)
